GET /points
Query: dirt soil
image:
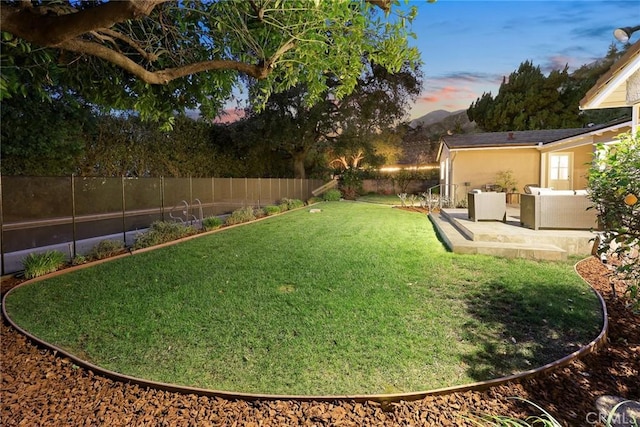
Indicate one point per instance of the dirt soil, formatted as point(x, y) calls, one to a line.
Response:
point(41, 389)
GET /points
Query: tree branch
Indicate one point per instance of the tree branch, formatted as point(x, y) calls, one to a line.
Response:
point(53, 30)
point(162, 76)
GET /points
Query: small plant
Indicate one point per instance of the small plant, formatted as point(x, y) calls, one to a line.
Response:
point(314, 200)
point(36, 265)
point(106, 248)
point(332, 195)
point(506, 181)
point(403, 199)
point(162, 232)
point(272, 210)
point(294, 203)
point(283, 205)
point(211, 223)
point(546, 420)
point(241, 215)
point(79, 260)
point(259, 212)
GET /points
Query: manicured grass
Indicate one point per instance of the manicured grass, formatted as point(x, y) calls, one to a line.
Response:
point(359, 298)
point(388, 199)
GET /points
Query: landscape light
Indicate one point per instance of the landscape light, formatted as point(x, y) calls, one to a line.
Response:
point(623, 34)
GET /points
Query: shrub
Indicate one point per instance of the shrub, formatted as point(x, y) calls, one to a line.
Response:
point(294, 203)
point(211, 223)
point(351, 183)
point(105, 249)
point(283, 206)
point(272, 210)
point(614, 188)
point(79, 260)
point(332, 195)
point(259, 212)
point(241, 215)
point(40, 264)
point(313, 200)
point(162, 232)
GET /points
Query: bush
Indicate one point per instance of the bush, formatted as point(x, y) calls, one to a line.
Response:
point(79, 260)
point(211, 223)
point(332, 195)
point(241, 215)
point(614, 188)
point(105, 249)
point(272, 210)
point(40, 264)
point(162, 232)
point(313, 200)
point(283, 206)
point(293, 203)
point(351, 184)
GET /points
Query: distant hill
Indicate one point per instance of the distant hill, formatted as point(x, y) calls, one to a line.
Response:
point(432, 117)
point(440, 122)
point(421, 141)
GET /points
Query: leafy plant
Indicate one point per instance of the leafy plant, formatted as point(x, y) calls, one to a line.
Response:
point(506, 181)
point(211, 223)
point(241, 215)
point(614, 188)
point(294, 203)
point(106, 248)
point(332, 195)
point(39, 264)
point(313, 200)
point(351, 183)
point(546, 420)
point(79, 260)
point(272, 210)
point(162, 232)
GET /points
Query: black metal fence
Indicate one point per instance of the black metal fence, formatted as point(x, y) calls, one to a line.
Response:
point(44, 212)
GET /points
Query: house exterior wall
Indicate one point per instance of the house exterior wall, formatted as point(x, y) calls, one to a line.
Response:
point(478, 168)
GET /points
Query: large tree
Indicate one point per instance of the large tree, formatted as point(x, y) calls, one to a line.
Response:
point(349, 131)
point(529, 100)
point(158, 56)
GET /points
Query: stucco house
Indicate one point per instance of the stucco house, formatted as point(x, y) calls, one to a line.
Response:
point(557, 158)
point(618, 87)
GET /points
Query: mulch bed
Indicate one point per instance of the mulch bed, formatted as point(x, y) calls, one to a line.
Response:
point(39, 388)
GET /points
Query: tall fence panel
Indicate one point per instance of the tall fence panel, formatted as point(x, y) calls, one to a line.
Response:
point(72, 214)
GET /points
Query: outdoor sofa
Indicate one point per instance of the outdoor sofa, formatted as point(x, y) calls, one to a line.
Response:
point(547, 208)
point(487, 206)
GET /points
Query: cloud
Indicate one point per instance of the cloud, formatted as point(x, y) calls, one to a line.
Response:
point(229, 115)
point(448, 93)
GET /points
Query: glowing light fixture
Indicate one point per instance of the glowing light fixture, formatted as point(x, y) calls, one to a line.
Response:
point(623, 34)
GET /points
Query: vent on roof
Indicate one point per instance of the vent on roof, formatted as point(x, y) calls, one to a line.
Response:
point(511, 137)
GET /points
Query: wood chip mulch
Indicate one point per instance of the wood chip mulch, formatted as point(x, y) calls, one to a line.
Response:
point(40, 389)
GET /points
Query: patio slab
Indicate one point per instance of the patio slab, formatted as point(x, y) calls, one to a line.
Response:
point(508, 239)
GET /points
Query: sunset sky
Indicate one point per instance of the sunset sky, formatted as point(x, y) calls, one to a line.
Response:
point(468, 46)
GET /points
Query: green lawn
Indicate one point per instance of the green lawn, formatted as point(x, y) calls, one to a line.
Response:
point(359, 298)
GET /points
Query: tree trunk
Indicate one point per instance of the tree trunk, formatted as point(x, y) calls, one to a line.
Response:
point(298, 164)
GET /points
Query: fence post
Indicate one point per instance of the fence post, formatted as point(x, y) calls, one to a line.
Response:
point(124, 221)
point(1, 232)
point(73, 217)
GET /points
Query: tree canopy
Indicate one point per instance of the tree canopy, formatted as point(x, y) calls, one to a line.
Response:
point(159, 56)
point(529, 100)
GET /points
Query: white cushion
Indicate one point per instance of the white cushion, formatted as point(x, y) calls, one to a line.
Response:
point(559, 193)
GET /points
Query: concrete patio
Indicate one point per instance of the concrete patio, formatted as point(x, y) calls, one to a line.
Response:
point(508, 239)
